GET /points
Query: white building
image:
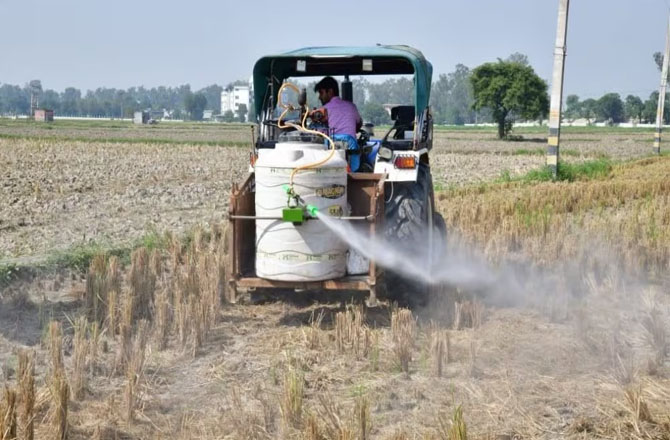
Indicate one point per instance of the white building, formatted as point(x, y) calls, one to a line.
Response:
point(232, 99)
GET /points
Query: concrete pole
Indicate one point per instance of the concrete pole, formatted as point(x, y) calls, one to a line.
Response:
point(661, 93)
point(557, 87)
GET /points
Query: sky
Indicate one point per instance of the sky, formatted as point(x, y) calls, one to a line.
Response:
point(92, 43)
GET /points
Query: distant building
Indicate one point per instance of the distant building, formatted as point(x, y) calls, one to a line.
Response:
point(44, 115)
point(208, 115)
point(142, 117)
point(232, 99)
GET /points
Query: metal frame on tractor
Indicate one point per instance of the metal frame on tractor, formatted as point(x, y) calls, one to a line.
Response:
point(366, 191)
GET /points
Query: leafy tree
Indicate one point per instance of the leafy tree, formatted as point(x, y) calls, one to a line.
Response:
point(658, 59)
point(651, 107)
point(70, 101)
point(634, 108)
point(50, 100)
point(375, 113)
point(452, 99)
point(242, 112)
point(510, 90)
point(229, 116)
point(14, 100)
point(610, 108)
point(213, 95)
point(588, 109)
point(518, 58)
point(194, 104)
point(572, 107)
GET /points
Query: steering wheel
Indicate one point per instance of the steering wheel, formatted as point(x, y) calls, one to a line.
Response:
point(363, 138)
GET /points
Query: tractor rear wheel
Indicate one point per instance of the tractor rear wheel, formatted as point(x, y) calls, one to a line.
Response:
point(421, 233)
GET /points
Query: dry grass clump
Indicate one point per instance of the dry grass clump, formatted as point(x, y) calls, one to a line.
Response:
point(329, 422)
point(59, 389)
point(104, 276)
point(144, 270)
point(125, 330)
point(453, 428)
point(79, 358)
point(637, 407)
point(292, 399)
point(246, 423)
point(440, 347)
point(403, 328)
point(630, 211)
point(362, 416)
point(197, 300)
point(351, 333)
point(26, 380)
point(135, 369)
point(8, 415)
point(468, 314)
point(96, 288)
point(313, 332)
point(162, 323)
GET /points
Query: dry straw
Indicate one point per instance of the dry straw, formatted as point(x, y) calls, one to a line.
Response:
point(313, 333)
point(135, 369)
point(351, 333)
point(440, 347)
point(125, 331)
point(362, 415)
point(79, 361)
point(454, 428)
point(162, 329)
point(8, 415)
point(26, 379)
point(142, 277)
point(292, 399)
point(58, 384)
point(60, 393)
point(468, 314)
point(96, 288)
point(637, 407)
point(403, 329)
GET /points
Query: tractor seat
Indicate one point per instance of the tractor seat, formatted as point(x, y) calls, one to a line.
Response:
point(403, 117)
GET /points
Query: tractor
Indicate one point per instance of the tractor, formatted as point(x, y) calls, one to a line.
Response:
point(299, 172)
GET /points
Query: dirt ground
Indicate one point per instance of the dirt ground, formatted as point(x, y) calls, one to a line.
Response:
point(564, 365)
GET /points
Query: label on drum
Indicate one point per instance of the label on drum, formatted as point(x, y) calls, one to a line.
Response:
point(333, 191)
point(289, 256)
point(335, 211)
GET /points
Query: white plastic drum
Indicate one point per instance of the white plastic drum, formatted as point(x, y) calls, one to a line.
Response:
point(309, 251)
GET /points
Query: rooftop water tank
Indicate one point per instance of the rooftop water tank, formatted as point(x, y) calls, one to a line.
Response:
point(307, 251)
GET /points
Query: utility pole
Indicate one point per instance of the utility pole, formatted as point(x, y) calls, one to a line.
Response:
point(661, 93)
point(557, 87)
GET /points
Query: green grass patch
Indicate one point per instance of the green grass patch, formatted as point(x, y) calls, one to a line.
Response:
point(8, 272)
point(79, 256)
point(589, 170)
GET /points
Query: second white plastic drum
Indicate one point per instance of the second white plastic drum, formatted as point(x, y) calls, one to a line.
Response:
point(309, 251)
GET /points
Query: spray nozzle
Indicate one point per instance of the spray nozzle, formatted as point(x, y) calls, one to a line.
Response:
point(313, 210)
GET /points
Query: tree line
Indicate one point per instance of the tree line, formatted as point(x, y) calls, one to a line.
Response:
point(499, 92)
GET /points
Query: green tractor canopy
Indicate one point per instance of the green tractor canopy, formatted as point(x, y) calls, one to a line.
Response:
point(271, 71)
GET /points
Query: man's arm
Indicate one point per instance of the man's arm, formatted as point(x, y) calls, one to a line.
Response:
point(359, 121)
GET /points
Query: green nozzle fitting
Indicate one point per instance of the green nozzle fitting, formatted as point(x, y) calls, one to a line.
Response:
point(313, 210)
point(287, 188)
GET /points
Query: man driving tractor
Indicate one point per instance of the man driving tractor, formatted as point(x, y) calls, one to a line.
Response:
point(342, 117)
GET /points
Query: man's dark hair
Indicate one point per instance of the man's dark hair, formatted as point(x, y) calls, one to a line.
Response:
point(328, 83)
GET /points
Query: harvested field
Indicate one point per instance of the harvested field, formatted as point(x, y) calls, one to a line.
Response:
point(570, 339)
